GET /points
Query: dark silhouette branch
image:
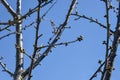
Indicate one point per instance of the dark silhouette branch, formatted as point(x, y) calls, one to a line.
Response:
point(61, 29)
point(9, 8)
point(107, 39)
point(46, 3)
point(80, 38)
point(5, 69)
point(4, 23)
point(31, 11)
point(36, 40)
point(10, 32)
point(109, 67)
point(105, 68)
point(5, 28)
point(7, 35)
point(92, 20)
point(48, 10)
point(98, 70)
point(27, 26)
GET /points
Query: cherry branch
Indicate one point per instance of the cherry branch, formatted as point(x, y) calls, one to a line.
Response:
point(91, 20)
point(5, 28)
point(48, 9)
point(7, 35)
point(4, 23)
point(98, 70)
point(80, 38)
point(26, 26)
point(109, 67)
point(5, 69)
point(31, 11)
point(46, 3)
point(61, 29)
point(107, 39)
point(36, 40)
point(9, 8)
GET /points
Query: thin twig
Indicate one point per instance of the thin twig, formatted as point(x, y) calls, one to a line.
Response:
point(54, 41)
point(62, 43)
point(48, 10)
point(46, 3)
point(5, 28)
point(5, 69)
point(92, 20)
point(7, 35)
point(26, 26)
point(4, 23)
point(31, 11)
point(98, 70)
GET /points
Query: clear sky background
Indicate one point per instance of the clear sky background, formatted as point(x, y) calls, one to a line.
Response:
point(78, 61)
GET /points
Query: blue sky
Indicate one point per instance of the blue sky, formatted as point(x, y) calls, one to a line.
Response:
point(77, 61)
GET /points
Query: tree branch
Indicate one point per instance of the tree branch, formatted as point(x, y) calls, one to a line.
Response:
point(5, 69)
point(80, 38)
point(31, 11)
point(4, 23)
point(107, 39)
point(92, 20)
point(5, 28)
point(19, 68)
point(98, 70)
point(48, 10)
point(113, 51)
point(36, 40)
point(9, 8)
point(61, 29)
point(7, 35)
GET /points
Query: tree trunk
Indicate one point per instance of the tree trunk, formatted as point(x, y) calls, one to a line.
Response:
point(19, 44)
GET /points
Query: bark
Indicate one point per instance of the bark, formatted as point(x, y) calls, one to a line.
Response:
point(112, 56)
point(19, 44)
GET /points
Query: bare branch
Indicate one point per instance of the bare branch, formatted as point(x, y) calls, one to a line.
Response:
point(46, 3)
point(48, 10)
point(5, 28)
point(98, 70)
point(61, 29)
point(9, 8)
point(4, 23)
point(5, 69)
point(107, 39)
point(26, 26)
point(92, 20)
point(7, 35)
point(36, 40)
point(31, 11)
point(109, 67)
point(80, 38)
